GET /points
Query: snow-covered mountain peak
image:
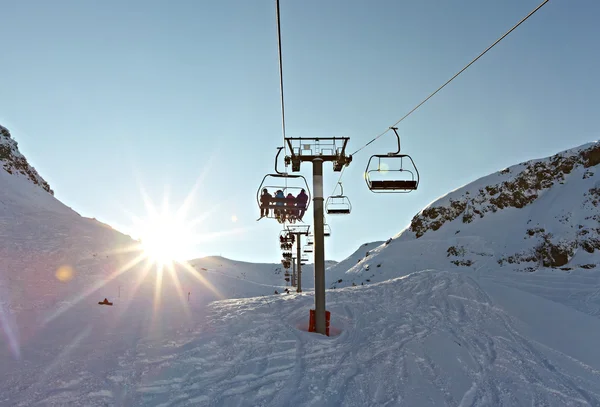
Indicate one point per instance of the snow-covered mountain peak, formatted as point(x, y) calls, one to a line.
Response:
point(13, 162)
point(540, 211)
point(513, 187)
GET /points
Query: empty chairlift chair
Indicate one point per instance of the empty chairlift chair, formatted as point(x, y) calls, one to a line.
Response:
point(393, 172)
point(326, 230)
point(338, 204)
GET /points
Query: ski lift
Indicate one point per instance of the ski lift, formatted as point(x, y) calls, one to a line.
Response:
point(308, 249)
point(280, 208)
point(338, 204)
point(385, 178)
point(326, 230)
point(285, 237)
point(309, 240)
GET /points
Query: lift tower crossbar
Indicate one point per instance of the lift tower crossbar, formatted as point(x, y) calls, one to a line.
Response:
point(318, 150)
point(325, 148)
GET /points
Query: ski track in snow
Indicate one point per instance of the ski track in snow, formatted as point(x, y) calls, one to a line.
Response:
point(448, 345)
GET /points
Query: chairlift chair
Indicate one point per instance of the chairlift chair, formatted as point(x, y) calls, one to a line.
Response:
point(309, 240)
point(326, 230)
point(385, 178)
point(338, 204)
point(308, 249)
point(279, 208)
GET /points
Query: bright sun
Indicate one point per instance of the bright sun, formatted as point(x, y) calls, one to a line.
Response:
point(165, 239)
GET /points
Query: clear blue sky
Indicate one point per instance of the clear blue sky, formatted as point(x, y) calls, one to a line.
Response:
point(106, 96)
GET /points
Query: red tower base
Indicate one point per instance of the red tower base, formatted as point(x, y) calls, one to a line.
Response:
point(311, 321)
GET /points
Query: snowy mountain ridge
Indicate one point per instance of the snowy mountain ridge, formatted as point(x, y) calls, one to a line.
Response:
point(566, 185)
point(537, 214)
point(513, 187)
point(14, 162)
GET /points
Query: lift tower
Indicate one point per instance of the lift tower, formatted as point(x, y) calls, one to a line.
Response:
point(298, 231)
point(318, 150)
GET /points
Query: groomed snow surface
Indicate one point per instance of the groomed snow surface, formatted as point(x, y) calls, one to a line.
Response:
point(432, 337)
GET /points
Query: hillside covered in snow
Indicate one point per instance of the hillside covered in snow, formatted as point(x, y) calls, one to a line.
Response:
point(491, 296)
point(537, 214)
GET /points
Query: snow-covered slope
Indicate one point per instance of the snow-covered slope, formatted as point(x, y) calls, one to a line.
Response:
point(432, 338)
point(431, 326)
point(544, 212)
point(541, 213)
point(239, 279)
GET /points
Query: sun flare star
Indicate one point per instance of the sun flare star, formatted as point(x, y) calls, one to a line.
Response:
point(165, 239)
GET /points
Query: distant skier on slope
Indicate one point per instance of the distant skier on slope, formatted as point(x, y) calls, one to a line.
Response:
point(105, 302)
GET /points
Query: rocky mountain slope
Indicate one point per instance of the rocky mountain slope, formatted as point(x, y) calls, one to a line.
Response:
point(560, 193)
point(543, 213)
point(14, 162)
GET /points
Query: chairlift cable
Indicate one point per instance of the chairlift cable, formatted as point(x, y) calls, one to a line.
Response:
point(281, 81)
point(280, 73)
point(457, 74)
point(444, 85)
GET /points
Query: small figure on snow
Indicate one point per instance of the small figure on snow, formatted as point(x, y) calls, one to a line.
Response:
point(105, 302)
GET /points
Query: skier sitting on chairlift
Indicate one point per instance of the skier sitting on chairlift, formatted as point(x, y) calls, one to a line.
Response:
point(265, 200)
point(301, 200)
point(278, 212)
point(292, 212)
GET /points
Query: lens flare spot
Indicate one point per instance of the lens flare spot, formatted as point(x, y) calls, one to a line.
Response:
point(234, 218)
point(64, 273)
point(383, 168)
